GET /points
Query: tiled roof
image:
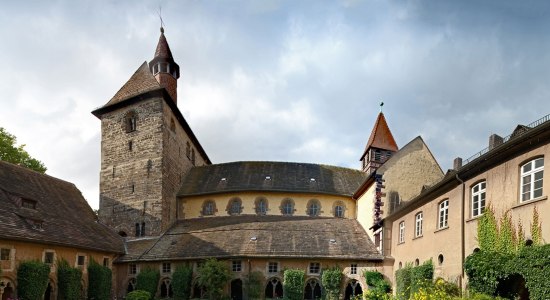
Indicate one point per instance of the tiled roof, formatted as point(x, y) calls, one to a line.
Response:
point(163, 50)
point(271, 176)
point(141, 82)
point(380, 136)
point(66, 217)
point(257, 236)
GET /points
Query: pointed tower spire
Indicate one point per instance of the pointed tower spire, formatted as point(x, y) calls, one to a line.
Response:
point(380, 147)
point(165, 69)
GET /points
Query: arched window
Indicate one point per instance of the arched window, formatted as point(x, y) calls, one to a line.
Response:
point(166, 288)
point(261, 206)
point(313, 208)
point(274, 289)
point(312, 290)
point(353, 288)
point(131, 285)
point(208, 208)
point(234, 206)
point(418, 225)
point(531, 179)
point(130, 121)
point(478, 199)
point(287, 207)
point(338, 209)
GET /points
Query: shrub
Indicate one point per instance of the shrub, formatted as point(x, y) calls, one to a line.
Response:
point(403, 281)
point(99, 281)
point(32, 280)
point(254, 285)
point(376, 282)
point(213, 276)
point(293, 284)
point(182, 282)
point(484, 270)
point(331, 280)
point(138, 295)
point(148, 280)
point(421, 274)
point(68, 281)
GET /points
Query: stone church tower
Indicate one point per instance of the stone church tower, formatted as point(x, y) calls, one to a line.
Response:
point(146, 148)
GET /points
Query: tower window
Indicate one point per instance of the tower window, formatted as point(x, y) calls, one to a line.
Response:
point(140, 229)
point(130, 121)
point(130, 145)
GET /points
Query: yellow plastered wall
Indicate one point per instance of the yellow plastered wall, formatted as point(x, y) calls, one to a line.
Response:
point(191, 207)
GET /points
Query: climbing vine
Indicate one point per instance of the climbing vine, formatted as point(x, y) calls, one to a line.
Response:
point(32, 280)
point(148, 280)
point(331, 279)
point(99, 281)
point(68, 281)
point(182, 282)
point(293, 284)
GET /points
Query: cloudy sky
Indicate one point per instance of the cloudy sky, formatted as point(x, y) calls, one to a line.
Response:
point(277, 80)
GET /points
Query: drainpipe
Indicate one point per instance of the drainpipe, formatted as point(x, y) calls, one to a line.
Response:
point(462, 226)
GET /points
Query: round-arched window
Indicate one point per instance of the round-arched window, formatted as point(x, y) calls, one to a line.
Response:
point(287, 207)
point(261, 206)
point(313, 208)
point(208, 208)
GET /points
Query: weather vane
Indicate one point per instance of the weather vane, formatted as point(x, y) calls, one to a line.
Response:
point(161, 21)
point(381, 104)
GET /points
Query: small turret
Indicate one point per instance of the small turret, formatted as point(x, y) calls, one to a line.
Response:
point(164, 68)
point(380, 147)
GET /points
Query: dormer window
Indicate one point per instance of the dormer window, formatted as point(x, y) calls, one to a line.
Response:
point(27, 203)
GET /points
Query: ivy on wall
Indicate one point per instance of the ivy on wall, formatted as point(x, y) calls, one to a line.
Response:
point(376, 282)
point(293, 284)
point(409, 279)
point(99, 281)
point(254, 285)
point(148, 280)
point(505, 266)
point(213, 276)
point(68, 281)
point(182, 282)
point(331, 280)
point(32, 280)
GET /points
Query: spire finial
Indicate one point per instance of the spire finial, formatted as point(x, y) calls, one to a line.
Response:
point(161, 21)
point(381, 104)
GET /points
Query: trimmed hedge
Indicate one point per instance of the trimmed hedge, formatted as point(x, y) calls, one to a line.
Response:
point(293, 284)
point(68, 281)
point(148, 280)
point(182, 282)
point(331, 280)
point(32, 280)
point(138, 295)
point(99, 281)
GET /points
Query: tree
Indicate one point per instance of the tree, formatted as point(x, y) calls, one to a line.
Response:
point(17, 155)
point(182, 282)
point(213, 276)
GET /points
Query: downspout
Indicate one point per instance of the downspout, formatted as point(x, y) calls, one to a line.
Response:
point(462, 226)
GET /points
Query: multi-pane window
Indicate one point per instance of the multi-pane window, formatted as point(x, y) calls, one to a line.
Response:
point(444, 213)
point(236, 266)
point(272, 267)
point(353, 269)
point(132, 269)
point(288, 207)
point(418, 225)
point(48, 257)
point(261, 207)
point(478, 199)
point(166, 267)
point(314, 268)
point(235, 207)
point(208, 208)
point(313, 208)
point(402, 232)
point(531, 179)
point(339, 211)
point(5, 254)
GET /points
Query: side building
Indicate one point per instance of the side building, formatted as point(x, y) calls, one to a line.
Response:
point(47, 219)
point(508, 175)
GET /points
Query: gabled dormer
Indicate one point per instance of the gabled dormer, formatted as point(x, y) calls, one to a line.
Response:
point(380, 147)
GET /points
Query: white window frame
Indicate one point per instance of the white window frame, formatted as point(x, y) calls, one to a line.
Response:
point(529, 191)
point(166, 268)
point(314, 268)
point(271, 265)
point(236, 265)
point(132, 271)
point(401, 232)
point(418, 218)
point(443, 214)
point(479, 198)
point(353, 269)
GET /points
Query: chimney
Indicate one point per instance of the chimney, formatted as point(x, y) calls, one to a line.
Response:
point(457, 163)
point(495, 141)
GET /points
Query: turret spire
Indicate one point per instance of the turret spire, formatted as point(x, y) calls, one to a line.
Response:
point(163, 66)
point(381, 145)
